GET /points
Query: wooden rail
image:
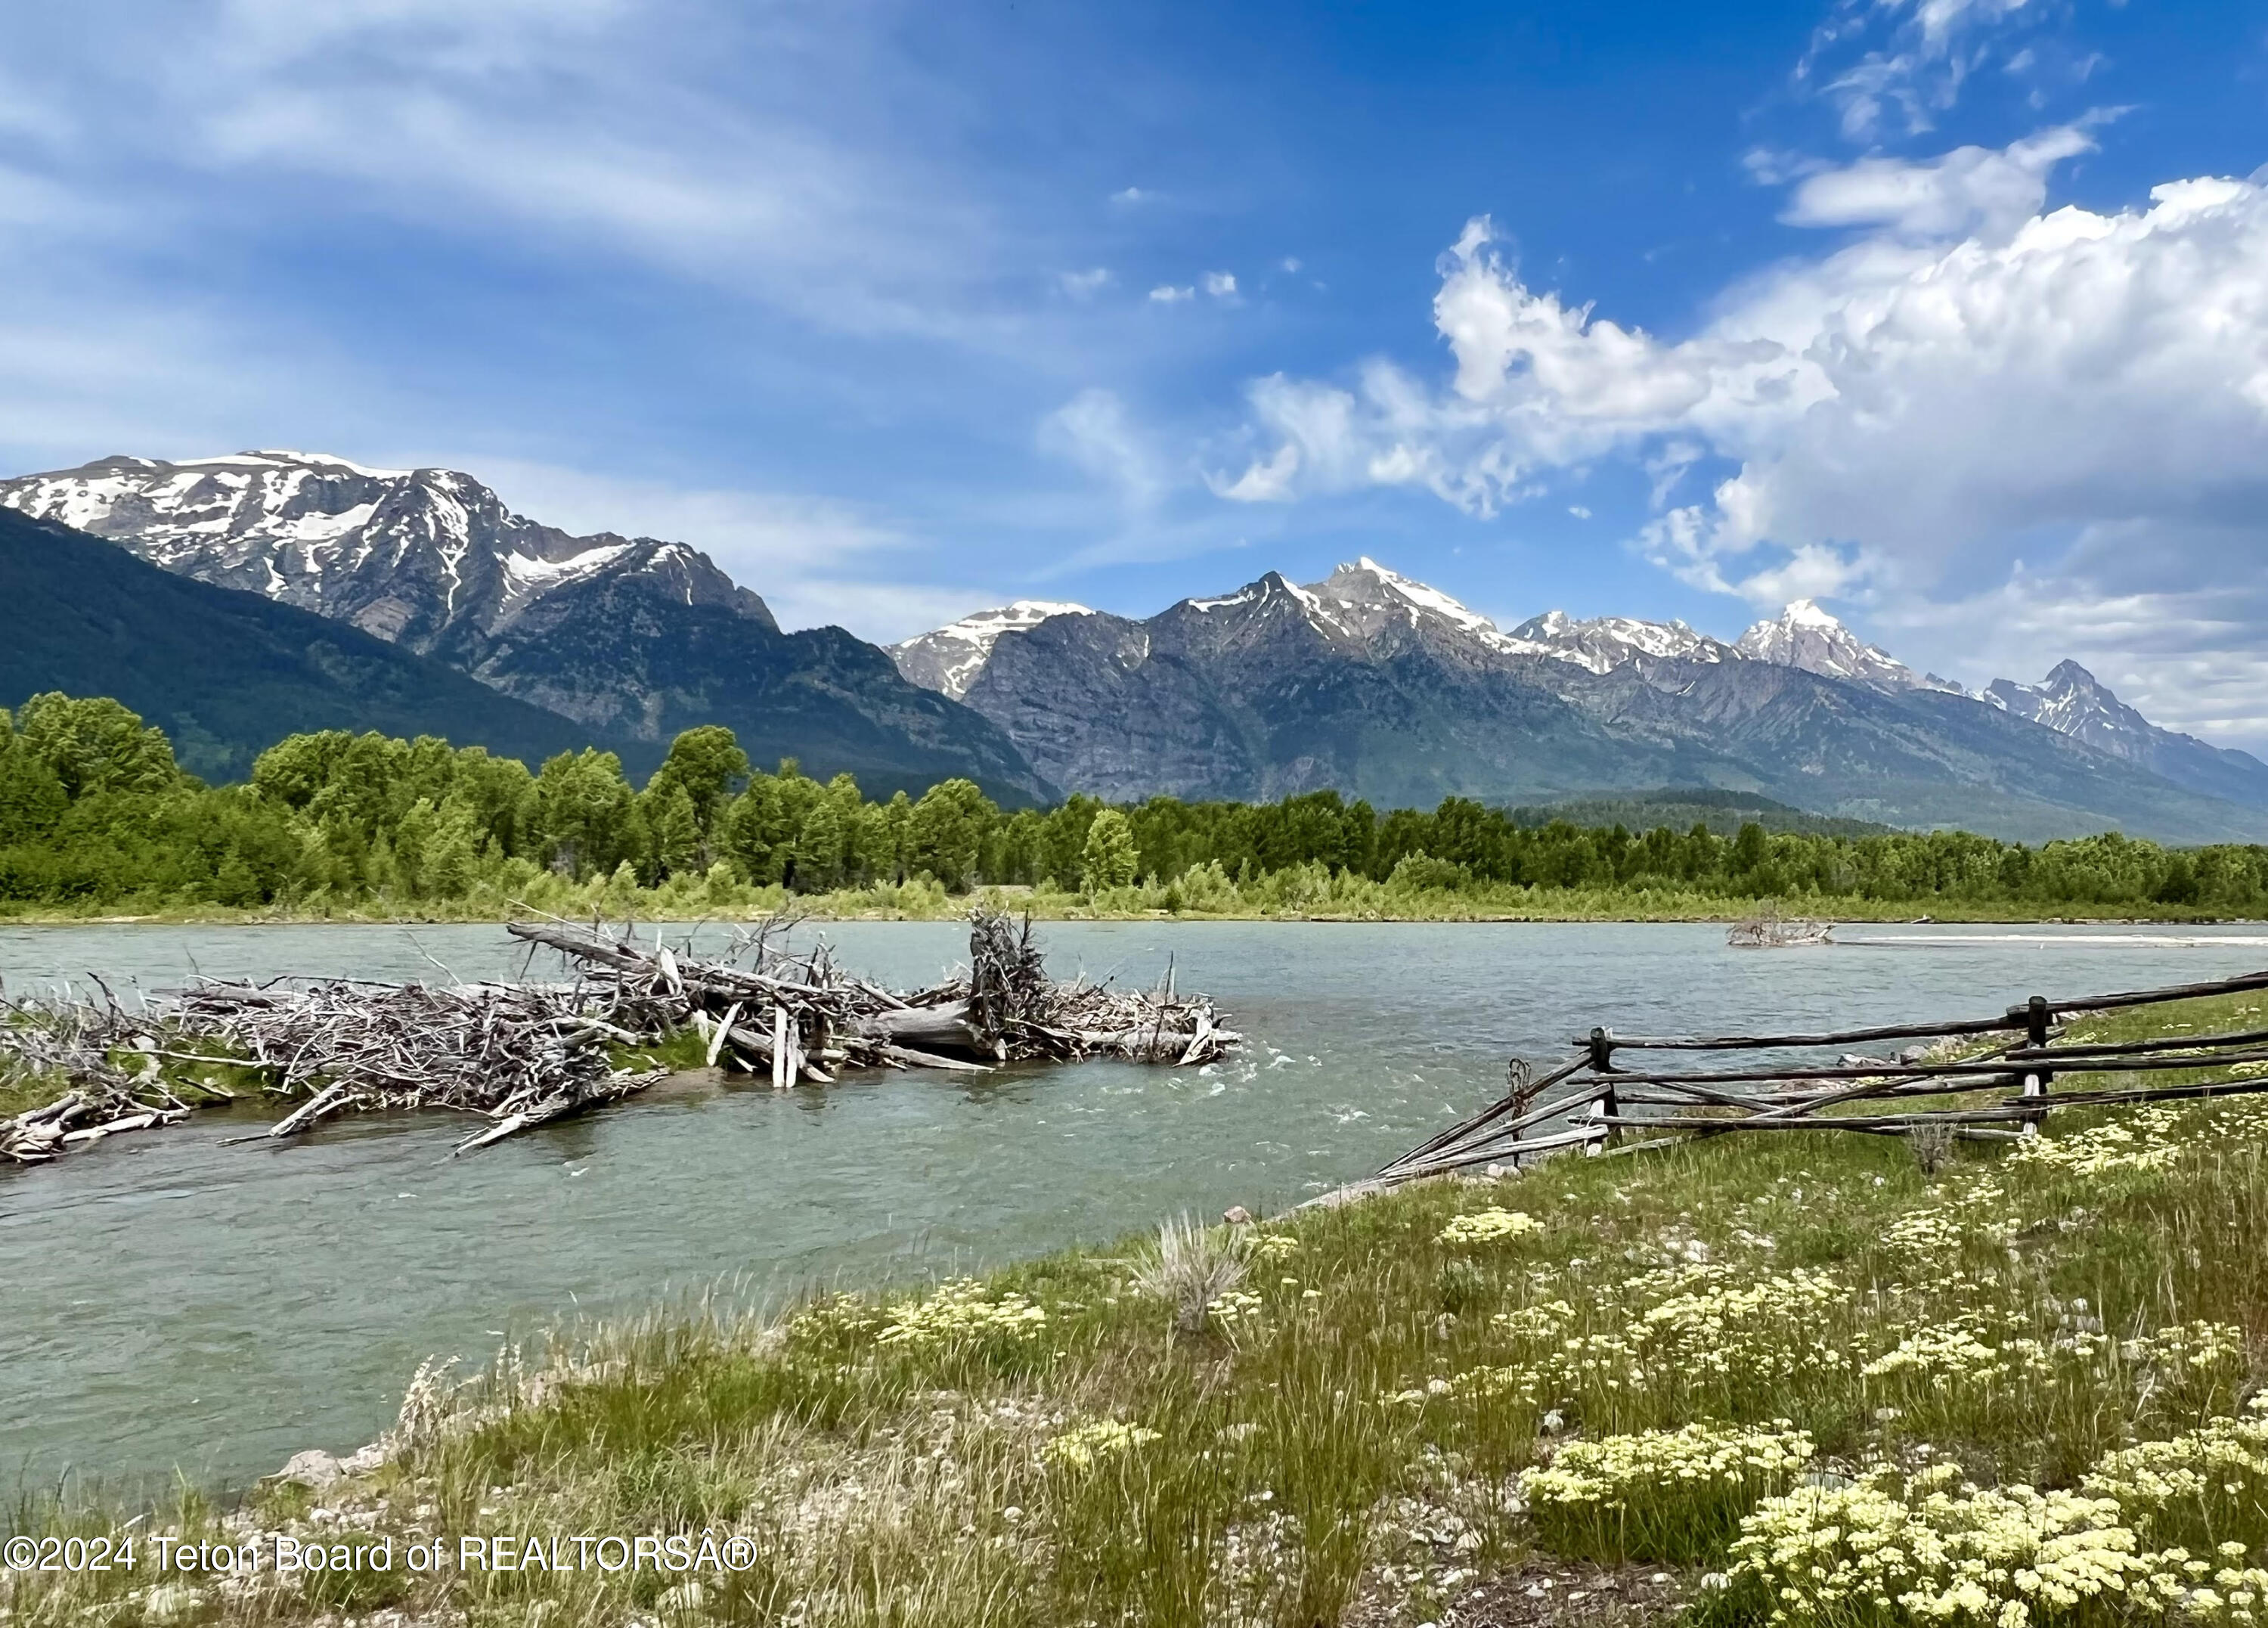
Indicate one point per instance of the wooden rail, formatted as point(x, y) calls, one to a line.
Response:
point(1796, 1094)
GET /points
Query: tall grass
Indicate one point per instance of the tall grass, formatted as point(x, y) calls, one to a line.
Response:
point(1308, 892)
point(1738, 1357)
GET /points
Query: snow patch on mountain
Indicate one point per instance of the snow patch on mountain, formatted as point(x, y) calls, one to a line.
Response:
point(1366, 602)
point(1804, 636)
point(428, 557)
point(949, 658)
point(1603, 643)
point(2072, 701)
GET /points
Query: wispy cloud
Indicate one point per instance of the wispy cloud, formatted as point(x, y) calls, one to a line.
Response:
point(1906, 62)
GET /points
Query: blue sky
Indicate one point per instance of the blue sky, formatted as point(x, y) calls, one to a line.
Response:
point(1951, 312)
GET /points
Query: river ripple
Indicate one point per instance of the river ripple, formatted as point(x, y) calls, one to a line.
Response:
point(167, 1302)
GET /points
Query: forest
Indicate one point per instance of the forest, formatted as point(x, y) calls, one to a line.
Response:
point(97, 816)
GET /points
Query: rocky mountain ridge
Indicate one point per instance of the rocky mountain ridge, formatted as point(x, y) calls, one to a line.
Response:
point(1384, 687)
point(226, 674)
point(633, 638)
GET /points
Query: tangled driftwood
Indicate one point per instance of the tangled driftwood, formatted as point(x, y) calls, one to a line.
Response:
point(521, 1054)
point(1771, 930)
point(801, 1017)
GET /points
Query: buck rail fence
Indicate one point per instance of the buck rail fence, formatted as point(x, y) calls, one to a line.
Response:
point(1593, 1098)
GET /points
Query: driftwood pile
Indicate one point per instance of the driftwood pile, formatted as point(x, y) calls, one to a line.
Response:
point(519, 1055)
point(796, 1018)
point(111, 1058)
point(1599, 1097)
point(1771, 930)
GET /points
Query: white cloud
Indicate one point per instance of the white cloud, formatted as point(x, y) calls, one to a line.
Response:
point(1990, 191)
point(881, 613)
point(1131, 195)
point(1289, 262)
point(1166, 294)
point(1261, 481)
point(1932, 46)
point(1095, 430)
point(1080, 284)
point(795, 550)
point(759, 537)
point(1963, 387)
point(1579, 511)
point(1220, 284)
point(581, 126)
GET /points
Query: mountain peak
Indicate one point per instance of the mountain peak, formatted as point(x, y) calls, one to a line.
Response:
point(1368, 585)
point(1807, 637)
point(1604, 643)
point(430, 558)
point(948, 659)
point(2068, 674)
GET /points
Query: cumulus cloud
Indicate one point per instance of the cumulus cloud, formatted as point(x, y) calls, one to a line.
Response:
point(1991, 191)
point(1079, 284)
point(1166, 294)
point(1969, 389)
point(1220, 284)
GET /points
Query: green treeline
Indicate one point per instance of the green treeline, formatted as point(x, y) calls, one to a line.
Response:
point(94, 814)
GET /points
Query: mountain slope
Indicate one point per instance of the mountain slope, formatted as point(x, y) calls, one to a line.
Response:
point(1366, 682)
point(949, 658)
point(2072, 701)
point(630, 636)
point(1604, 643)
point(636, 662)
point(1915, 758)
point(429, 559)
point(226, 674)
point(1388, 689)
point(1804, 636)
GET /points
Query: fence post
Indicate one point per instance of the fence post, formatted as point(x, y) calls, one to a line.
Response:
point(1604, 1106)
point(2036, 1080)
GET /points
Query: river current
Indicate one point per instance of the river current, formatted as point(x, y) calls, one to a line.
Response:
point(168, 1303)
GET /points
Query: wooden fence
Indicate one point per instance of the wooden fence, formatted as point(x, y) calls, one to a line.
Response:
point(1588, 1101)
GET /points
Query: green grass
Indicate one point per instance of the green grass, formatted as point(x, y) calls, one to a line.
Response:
point(1299, 894)
point(1733, 1335)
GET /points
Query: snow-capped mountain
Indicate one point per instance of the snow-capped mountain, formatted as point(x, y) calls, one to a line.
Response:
point(949, 660)
point(1381, 687)
point(429, 559)
point(2072, 701)
point(630, 637)
point(1604, 643)
point(1366, 602)
point(1804, 636)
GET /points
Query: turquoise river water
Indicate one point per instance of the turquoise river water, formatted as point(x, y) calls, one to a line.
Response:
point(170, 1304)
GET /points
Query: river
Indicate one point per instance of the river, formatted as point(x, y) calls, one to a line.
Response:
point(169, 1303)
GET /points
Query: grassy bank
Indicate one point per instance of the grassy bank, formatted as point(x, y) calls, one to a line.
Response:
point(1299, 894)
point(1796, 1379)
